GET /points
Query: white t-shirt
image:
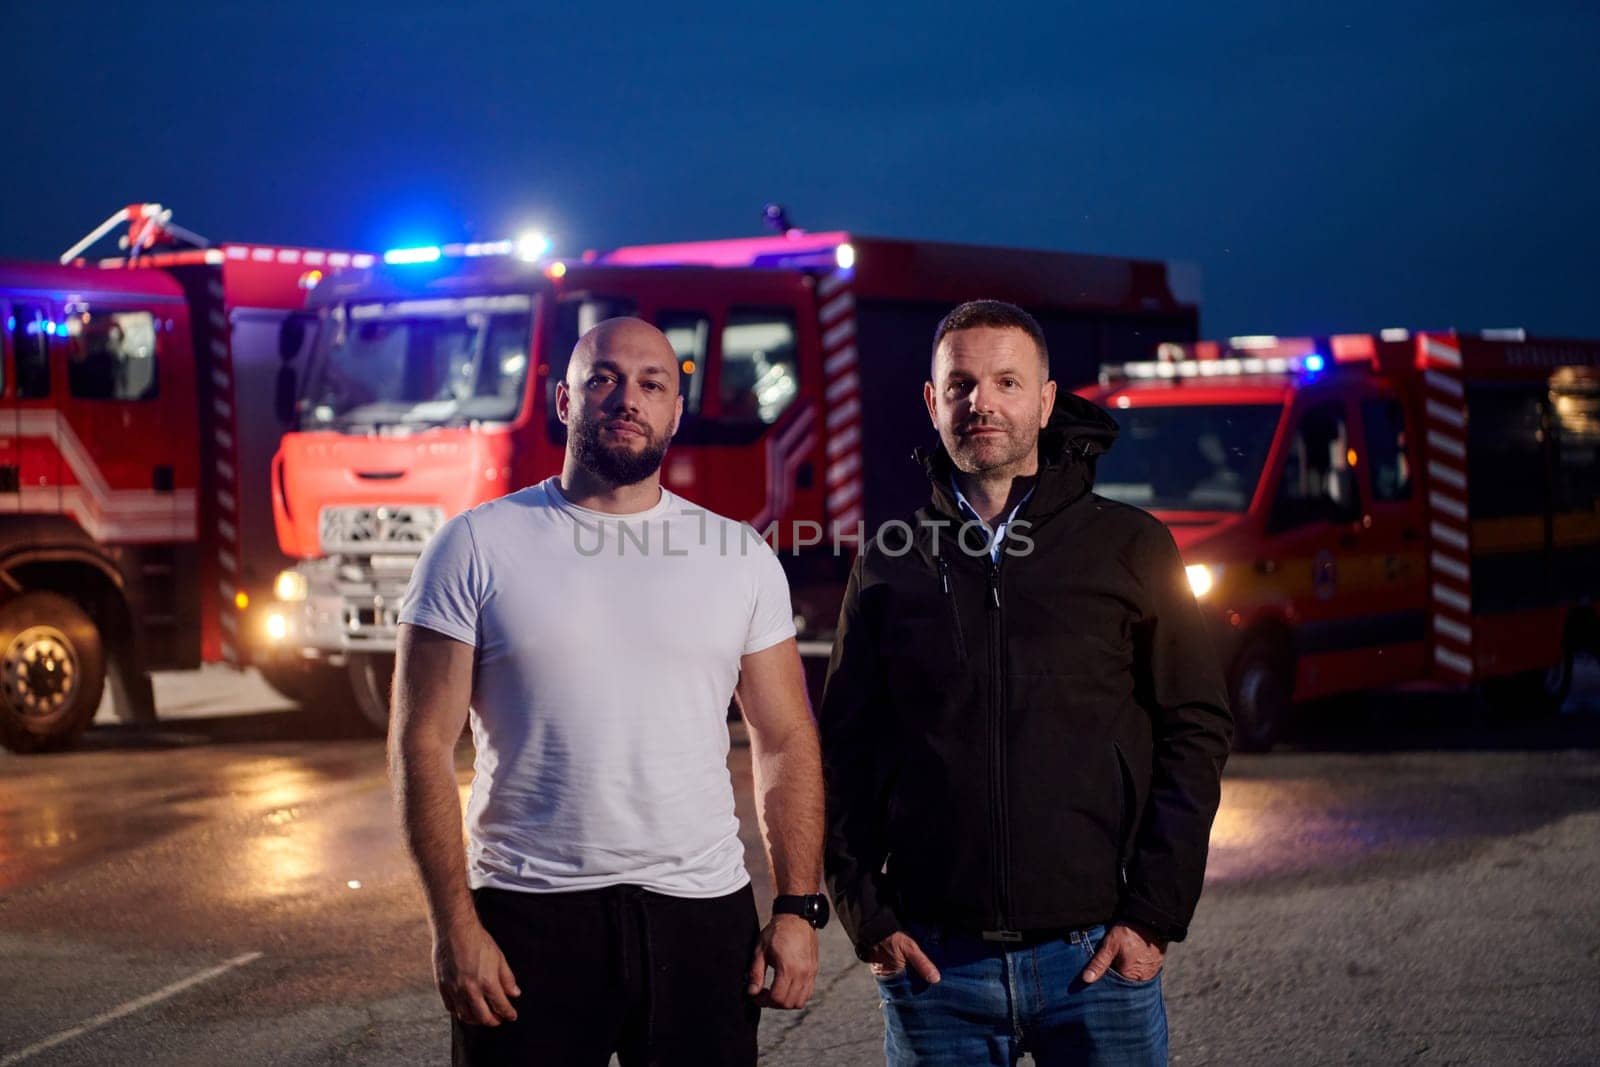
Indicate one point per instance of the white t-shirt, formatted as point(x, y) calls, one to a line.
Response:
point(608, 649)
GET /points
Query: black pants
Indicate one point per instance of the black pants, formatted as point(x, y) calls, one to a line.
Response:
point(657, 980)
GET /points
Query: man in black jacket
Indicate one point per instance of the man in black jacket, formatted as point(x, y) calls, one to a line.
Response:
point(1023, 732)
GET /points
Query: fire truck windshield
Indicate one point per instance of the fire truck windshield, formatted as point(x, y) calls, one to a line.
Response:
point(1198, 457)
point(418, 363)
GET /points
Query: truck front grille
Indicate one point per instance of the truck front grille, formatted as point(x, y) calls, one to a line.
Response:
point(376, 529)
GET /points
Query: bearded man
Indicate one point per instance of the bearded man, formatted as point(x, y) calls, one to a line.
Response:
point(601, 905)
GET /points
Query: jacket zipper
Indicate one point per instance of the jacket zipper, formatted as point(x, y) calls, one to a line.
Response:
point(997, 768)
point(955, 610)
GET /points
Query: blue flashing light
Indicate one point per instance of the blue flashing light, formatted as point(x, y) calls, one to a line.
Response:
point(1314, 363)
point(425, 254)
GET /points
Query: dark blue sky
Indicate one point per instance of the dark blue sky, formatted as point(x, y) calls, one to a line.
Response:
point(1333, 166)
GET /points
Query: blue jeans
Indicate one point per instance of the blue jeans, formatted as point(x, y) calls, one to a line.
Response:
point(995, 1002)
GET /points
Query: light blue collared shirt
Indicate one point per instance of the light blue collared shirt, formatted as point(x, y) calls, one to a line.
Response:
point(997, 536)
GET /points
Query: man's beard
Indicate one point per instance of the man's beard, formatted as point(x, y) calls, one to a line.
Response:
point(615, 464)
point(974, 455)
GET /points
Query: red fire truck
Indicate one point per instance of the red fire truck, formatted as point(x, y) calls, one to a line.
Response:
point(135, 445)
point(432, 383)
point(1363, 511)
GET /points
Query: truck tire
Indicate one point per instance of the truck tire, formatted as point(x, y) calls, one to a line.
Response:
point(371, 685)
point(52, 672)
point(1530, 695)
point(1261, 693)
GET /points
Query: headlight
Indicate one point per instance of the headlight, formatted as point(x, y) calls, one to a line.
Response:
point(290, 587)
point(1201, 578)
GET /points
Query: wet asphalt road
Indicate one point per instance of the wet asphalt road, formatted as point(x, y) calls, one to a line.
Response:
point(1404, 883)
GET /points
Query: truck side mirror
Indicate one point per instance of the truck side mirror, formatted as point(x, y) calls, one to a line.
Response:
point(283, 400)
point(292, 336)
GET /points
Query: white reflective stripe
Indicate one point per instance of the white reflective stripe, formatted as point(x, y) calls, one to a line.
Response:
point(1453, 660)
point(1443, 383)
point(844, 468)
point(1448, 475)
point(845, 383)
point(1454, 447)
point(1449, 535)
point(1449, 505)
point(838, 334)
point(844, 439)
point(845, 494)
point(842, 413)
point(1444, 353)
point(839, 305)
point(1455, 568)
point(846, 520)
point(830, 284)
point(840, 360)
point(1452, 629)
point(1452, 599)
point(1448, 415)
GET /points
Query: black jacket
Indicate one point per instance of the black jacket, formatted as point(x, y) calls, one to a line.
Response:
point(1030, 746)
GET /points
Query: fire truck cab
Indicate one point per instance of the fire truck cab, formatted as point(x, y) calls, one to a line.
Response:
point(1363, 511)
point(136, 434)
point(431, 389)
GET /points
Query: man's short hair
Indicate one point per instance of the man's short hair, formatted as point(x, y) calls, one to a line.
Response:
point(995, 313)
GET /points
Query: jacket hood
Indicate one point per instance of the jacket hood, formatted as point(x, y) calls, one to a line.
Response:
point(1079, 431)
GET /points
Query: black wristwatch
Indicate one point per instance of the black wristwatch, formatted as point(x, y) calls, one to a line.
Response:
point(812, 907)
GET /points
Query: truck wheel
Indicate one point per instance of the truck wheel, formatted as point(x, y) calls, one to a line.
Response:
point(1261, 690)
point(1530, 695)
point(52, 672)
point(371, 683)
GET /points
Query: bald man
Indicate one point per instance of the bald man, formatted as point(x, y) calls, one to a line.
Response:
point(596, 626)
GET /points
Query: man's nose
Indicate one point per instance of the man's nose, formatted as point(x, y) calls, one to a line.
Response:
point(627, 396)
point(981, 399)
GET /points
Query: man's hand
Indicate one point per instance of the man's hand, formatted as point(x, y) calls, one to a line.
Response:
point(789, 946)
point(475, 982)
point(898, 952)
point(1135, 955)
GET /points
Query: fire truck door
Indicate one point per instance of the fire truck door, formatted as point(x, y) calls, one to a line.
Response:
point(1313, 553)
point(116, 359)
point(10, 439)
point(747, 444)
point(33, 412)
point(1392, 540)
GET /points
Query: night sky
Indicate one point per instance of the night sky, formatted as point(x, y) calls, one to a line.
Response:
point(1342, 166)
